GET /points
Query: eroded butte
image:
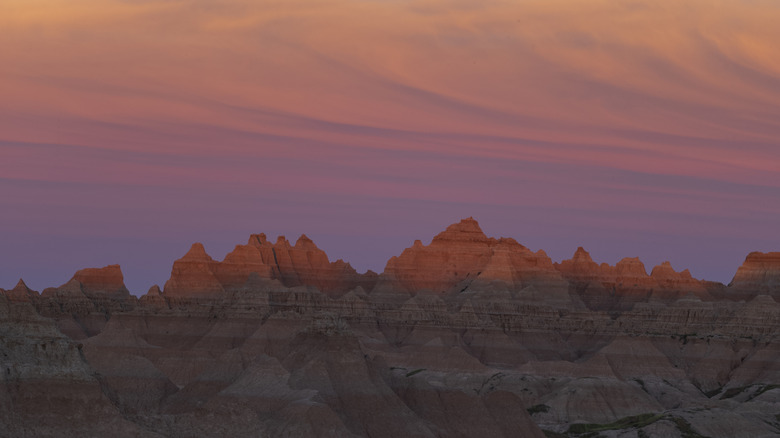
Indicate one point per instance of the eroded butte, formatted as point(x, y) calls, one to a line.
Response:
point(468, 336)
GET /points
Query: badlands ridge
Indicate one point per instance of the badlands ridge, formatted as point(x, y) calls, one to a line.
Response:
point(468, 336)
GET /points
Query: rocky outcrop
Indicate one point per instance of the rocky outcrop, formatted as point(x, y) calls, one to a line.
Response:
point(153, 298)
point(604, 287)
point(463, 254)
point(104, 282)
point(82, 306)
point(673, 285)
point(193, 275)
point(47, 388)
point(760, 273)
point(467, 336)
point(20, 293)
point(302, 264)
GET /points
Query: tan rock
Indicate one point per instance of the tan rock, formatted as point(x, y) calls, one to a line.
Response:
point(193, 275)
point(759, 274)
point(20, 293)
point(464, 253)
point(107, 281)
point(198, 275)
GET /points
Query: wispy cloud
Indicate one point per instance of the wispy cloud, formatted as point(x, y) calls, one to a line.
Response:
point(646, 114)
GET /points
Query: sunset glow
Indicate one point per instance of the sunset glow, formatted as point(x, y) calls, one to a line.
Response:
point(130, 129)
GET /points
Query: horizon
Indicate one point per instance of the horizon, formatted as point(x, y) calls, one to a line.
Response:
point(133, 284)
point(129, 130)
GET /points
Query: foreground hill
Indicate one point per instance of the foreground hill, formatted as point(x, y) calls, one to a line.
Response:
point(467, 336)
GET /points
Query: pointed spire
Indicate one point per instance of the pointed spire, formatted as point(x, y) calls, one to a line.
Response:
point(282, 241)
point(466, 230)
point(196, 253)
point(21, 287)
point(580, 255)
point(257, 240)
point(304, 242)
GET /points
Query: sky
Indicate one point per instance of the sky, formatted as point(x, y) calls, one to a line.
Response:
point(131, 129)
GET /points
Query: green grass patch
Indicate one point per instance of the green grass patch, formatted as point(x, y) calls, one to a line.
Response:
point(551, 434)
point(733, 392)
point(538, 408)
point(685, 428)
point(636, 421)
point(764, 389)
point(714, 392)
point(418, 371)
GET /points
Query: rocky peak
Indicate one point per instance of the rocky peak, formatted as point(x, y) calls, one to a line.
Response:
point(464, 253)
point(73, 289)
point(197, 253)
point(467, 230)
point(630, 267)
point(581, 256)
point(257, 240)
point(153, 298)
point(664, 271)
point(675, 283)
point(760, 273)
point(581, 267)
point(193, 275)
point(304, 264)
point(106, 280)
point(305, 243)
point(20, 292)
point(21, 287)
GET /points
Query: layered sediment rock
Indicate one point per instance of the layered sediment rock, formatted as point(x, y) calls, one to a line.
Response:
point(193, 275)
point(620, 287)
point(759, 273)
point(46, 386)
point(20, 293)
point(107, 281)
point(82, 306)
point(463, 254)
point(302, 264)
point(466, 336)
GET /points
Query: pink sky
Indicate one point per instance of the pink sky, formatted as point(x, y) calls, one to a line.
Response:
point(130, 129)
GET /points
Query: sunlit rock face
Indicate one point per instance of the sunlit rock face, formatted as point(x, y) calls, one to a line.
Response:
point(107, 281)
point(467, 336)
point(193, 275)
point(604, 287)
point(463, 253)
point(302, 264)
point(760, 272)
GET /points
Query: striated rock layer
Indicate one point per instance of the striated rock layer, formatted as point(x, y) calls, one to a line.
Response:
point(760, 273)
point(302, 264)
point(462, 255)
point(466, 336)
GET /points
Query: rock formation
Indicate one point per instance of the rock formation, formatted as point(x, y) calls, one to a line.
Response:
point(467, 336)
point(20, 293)
point(107, 281)
point(759, 273)
point(463, 254)
point(197, 274)
point(604, 287)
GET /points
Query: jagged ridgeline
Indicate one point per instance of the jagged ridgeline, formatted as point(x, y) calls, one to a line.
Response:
point(468, 336)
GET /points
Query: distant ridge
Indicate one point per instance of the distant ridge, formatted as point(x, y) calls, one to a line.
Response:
point(457, 257)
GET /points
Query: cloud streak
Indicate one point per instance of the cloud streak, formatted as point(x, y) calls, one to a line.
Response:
point(610, 116)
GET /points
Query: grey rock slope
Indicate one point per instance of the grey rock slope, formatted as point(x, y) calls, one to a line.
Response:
point(469, 336)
